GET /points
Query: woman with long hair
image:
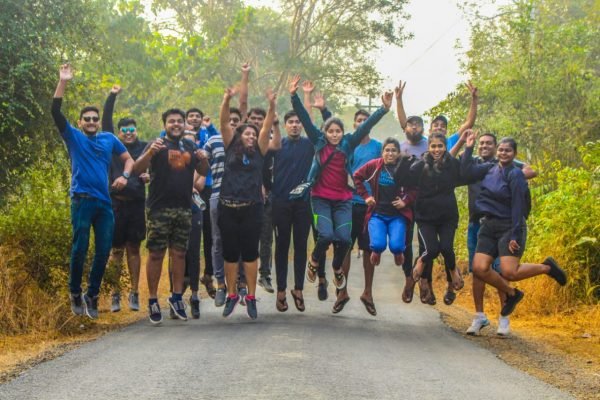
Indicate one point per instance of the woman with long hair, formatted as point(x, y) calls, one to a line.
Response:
point(241, 200)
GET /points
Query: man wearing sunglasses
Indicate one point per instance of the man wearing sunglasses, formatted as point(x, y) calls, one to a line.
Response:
point(90, 153)
point(128, 206)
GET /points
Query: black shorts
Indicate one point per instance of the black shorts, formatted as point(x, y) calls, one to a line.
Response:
point(130, 222)
point(359, 233)
point(494, 236)
point(240, 231)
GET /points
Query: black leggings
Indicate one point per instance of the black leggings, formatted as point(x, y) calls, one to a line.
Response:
point(288, 216)
point(438, 238)
point(240, 231)
point(207, 232)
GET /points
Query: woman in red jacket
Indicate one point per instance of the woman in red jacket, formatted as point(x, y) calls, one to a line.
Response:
point(388, 213)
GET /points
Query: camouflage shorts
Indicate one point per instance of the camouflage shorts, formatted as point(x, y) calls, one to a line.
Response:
point(169, 227)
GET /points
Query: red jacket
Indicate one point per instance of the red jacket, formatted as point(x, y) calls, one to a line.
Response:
point(370, 172)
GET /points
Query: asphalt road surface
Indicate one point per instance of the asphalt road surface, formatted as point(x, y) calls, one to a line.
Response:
point(406, 352)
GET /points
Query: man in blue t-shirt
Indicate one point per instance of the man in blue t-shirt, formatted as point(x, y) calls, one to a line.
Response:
point(91, 153)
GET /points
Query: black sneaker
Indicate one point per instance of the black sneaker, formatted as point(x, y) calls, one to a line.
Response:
point(76, 304)
point(154, 313)
point(195, 305)
point(178, 308)
point(511, 303)
point(90, 306)
point(322, 290)
point(251, 308)
point(556, 272)
point(230, 304)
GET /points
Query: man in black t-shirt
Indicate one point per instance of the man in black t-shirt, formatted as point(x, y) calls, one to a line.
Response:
point(173, 162)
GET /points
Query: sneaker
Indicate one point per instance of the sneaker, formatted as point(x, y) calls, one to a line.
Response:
point(322, 290)
point(503, 327)
point(195, 305)
point(265, 283)
point(220, 297)
point(375, 258)
point(76, 304)
point(178, 308)
point(251, 308)
point(134, 301)
point(154, 313)
point(477, 325)
point(115, 305)
point(339, 280)
point(556, 272)
point(90, 306)
point(230, 304)
point(242, 292)
point(511, 303)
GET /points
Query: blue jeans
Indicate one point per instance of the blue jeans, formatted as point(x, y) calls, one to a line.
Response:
point(333, 219)
point(382, 226)
point(472, 232)
point(88, 212)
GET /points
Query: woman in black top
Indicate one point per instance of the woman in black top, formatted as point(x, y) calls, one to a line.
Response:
point(436, 214)
point(241, 200)
point(503, 200)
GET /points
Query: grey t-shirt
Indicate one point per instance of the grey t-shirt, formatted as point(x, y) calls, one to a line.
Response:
point(416, 150)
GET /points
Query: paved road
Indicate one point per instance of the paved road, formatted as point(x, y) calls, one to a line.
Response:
point(405, 352)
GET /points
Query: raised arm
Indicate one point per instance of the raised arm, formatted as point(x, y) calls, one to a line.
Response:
point(265, 132)
point(143, 162)
point(307, 88)
point(311, 131)
point(275, 141)
point(469, 171)
point(226, 131)
point(109, 107)
point(322, 106)
point(244, 90)
point(472, 115)
point(398, 91)
point(364, 128)
point(64, 76)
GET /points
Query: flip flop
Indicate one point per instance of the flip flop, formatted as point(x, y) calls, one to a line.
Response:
point(339, 305)
point(449, 297)
point(424, 292)
point(281, 305)
point(298, 301)
point(369, 306)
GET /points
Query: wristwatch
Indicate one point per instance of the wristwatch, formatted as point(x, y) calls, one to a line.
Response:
point(126, 175)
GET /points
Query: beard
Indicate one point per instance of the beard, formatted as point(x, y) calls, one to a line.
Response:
point(414, 137)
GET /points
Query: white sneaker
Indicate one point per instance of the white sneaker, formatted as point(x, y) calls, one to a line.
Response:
point(503, 327)
point(477, 325)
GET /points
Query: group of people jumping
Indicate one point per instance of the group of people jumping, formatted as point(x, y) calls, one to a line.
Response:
point(241, 184)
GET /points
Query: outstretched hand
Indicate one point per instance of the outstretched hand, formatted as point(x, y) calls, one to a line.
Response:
point(293, 85)
point(66, 72)
point(471, 136)
point(271, 96)
point(319, 101)
point(116, 89)
point(308, 86)
point(472, 89)
point(386, 99)
point(399, 90)
point(229, 93)
point(246, 68)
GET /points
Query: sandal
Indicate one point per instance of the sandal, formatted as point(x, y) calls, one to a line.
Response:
point(449, 297)
point(339, 305)
point(369, 306)
point(424, 291)
point(281, 304)
point(409, 290)
point(431, 300)
point(311, 272)
point(339, 280)
point(298, 301)
point(207, 281)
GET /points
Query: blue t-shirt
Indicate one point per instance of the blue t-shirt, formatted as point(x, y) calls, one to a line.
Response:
point(364, 153)
point(291, 165)
point(452, 140)
point(90, 161)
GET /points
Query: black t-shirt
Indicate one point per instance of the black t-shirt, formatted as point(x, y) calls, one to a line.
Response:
point(243, 176)
point(386, 193)
point(135, 189)
point(172, 175)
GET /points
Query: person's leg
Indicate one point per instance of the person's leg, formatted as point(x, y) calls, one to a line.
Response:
point(323, 215)
point(282, 221)
point(377, 233)
point(81, 219)
point(249, 234)
point(322, 261)
point(266, 240)
point(342, 221)
point(154, 270)
point(407, 266)
point(429, 236)
point(301, 229)
point(114, 271)
point(177, 269)
point(472, 232)
point(397, 232)
point(446, 234)
point(207, 233)
point(192, 256)
point(217, 244)
point(134, 265)
point(103, 223)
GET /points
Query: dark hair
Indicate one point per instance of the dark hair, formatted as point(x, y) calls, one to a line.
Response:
point(171, 111)
point(440, 118)
point(87, 109)
point(126, 122)
point(196, 110)
point(289, 115)
point(332, 120)
point(361, 112)
point(510, 141)
point(435, 166)
point(235, 110)
point(236, 143)
point(391, 140)
point(490, 134)
point(258, 110)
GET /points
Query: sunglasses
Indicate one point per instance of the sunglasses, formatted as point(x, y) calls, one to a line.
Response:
point(88, 119)
point(131, 129)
